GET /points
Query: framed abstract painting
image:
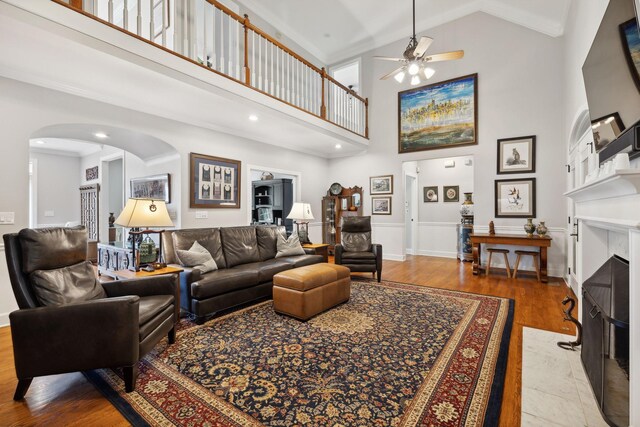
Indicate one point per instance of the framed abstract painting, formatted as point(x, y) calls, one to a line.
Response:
point(631, 46)
point(439, 115)
point(214, 182)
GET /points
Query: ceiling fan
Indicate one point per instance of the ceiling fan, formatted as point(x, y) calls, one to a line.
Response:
point(415, 59)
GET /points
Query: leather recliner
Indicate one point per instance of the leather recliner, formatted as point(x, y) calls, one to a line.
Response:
point(115, 330)
point(356, 250)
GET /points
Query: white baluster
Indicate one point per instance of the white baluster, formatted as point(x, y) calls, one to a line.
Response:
point(125, 15)
point(230, 65)
point(111, 11)
point(253, 59)
point(222, 60)
point(139, 18)
point(152, 22)
point(214, 50)
point(205, 39)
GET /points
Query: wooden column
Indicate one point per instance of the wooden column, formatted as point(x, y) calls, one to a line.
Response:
point(247, 70)
point(323, 107)
point(366, 117)
point(76, 3)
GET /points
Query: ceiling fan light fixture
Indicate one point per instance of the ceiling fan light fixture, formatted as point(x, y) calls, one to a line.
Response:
point(399, 77)
point(415, 80)
point(413, 69)
point(429, 72)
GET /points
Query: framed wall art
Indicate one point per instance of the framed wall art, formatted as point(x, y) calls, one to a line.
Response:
point(451, 193)
point(91, 174)
point(214, 182)
point(381, 184)
point(439, 115)
point(152, 187)
point(631, 46)
point(606, 129)
point(381, 206)
point(517, 155)
point(515, 198)
point(430, 194)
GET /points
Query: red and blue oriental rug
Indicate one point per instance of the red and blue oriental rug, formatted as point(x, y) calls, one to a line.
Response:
point(394, 355)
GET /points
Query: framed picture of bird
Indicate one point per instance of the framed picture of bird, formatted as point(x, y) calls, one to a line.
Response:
point(515, 198)
point(517, 155)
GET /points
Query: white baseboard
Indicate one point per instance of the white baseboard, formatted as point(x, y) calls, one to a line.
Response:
point(439, 254)
point(393, 257)
point(4, 319)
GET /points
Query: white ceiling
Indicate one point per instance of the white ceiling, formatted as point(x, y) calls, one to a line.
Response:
point(334, 30)
point(64, 147)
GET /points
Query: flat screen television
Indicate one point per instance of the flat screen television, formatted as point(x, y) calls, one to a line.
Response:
point(611, 75)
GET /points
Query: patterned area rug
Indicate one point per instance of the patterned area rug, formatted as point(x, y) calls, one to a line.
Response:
point(394, 355)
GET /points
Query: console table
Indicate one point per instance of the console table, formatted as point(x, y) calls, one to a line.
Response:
point(542, 242)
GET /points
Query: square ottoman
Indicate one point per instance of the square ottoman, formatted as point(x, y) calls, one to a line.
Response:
point(306, 291)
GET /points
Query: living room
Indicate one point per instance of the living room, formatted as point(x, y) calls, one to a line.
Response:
point(528, 60)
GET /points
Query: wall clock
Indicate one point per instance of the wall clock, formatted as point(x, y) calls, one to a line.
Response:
point(335, 189)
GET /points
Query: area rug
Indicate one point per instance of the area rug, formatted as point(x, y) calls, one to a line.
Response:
point(394, 355)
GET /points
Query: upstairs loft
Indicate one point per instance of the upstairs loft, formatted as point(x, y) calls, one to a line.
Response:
point(198, 62)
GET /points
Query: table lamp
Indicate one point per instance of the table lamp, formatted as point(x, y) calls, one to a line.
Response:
point(301, 214)
point(145, 213)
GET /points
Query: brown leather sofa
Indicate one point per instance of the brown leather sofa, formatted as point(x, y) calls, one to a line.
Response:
point(356, 250)
point(116, 327)
point(246, 262)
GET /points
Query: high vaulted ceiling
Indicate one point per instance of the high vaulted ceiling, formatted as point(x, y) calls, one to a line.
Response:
point(334, 30)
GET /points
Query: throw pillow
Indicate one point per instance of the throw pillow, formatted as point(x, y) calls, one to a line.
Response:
point(289, 247)
point(197, 257)
point(75, 283)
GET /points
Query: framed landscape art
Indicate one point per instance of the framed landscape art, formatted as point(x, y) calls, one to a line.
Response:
point(214, 182)
point(152, 187)
point(381, 206)
point(515, 198)
point(381, 184)
point(517, 155)
point(439, 115)
point(631, 46)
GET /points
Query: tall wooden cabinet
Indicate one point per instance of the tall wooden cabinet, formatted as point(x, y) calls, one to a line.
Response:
point(348, 202)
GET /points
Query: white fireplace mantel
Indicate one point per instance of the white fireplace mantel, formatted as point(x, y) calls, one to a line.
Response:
point(623, 182)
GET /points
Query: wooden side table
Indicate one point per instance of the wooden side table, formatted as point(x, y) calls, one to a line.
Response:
point(319, 249)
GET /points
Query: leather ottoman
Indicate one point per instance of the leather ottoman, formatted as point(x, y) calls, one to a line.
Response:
point(306, 291)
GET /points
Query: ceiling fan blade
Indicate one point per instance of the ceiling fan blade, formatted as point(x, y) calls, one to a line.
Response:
point(393, 73)
point(444, 56)
point(422, 46)
point(388, 58)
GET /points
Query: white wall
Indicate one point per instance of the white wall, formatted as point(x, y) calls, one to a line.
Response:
point(519, 87)
point(57, 188)
point(116, 184)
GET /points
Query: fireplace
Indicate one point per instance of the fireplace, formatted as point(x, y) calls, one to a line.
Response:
point(605, 345)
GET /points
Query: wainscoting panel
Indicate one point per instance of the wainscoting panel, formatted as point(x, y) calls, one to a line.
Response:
point(437, 239)
point(391, 237)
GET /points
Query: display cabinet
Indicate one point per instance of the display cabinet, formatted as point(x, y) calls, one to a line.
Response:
point(272, 201)
point(338, 203)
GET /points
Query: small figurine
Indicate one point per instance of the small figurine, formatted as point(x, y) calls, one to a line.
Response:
point(492, 228)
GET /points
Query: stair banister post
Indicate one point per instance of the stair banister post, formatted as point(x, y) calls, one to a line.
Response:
point(323, 107)
point(366, 117)
point(247, 70)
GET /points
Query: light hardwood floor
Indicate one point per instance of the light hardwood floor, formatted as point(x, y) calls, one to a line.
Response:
point(67, 400)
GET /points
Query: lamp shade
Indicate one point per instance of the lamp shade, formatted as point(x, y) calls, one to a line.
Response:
point(144, 213)
point(300, 212)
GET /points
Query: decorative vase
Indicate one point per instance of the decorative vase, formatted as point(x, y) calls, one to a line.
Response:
point(542, 229)
point(530, 227)
point(466, 208)
point(112, 219)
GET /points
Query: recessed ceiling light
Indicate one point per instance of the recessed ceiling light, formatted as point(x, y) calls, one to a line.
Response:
point(101, 135)
point(39, 142)
point(253, 118)
point(338, 146)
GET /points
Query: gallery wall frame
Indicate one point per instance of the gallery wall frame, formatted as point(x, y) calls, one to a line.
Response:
point(430, 194)
point(439, 115)
point(515, 198)
point(152, 187)
point(516, 155)
point(381, 184)
point(381, 205)
point(214, 182)
point(451, 193)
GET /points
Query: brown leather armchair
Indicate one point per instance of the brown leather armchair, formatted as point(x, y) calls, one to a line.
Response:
point(356, 250)
point(55, 333)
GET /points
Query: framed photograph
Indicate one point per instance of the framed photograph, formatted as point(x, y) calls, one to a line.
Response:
point(430, 194)
point(152, 187)
point(515, 198)
point(381, 206)
point(439, 115)
point(91, 173)
point(517, 155)
point(606, 129)
point(631, 47)
point(381, 184)
point(214, 182)
point(451, 193)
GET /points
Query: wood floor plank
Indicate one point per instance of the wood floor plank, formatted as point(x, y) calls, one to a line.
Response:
point(69, 400)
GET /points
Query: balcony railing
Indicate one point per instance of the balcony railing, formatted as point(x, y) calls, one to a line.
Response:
point(215, 37)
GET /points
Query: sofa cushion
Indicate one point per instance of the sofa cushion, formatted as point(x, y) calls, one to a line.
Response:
point(267, 240)
point(266, 269)
point(154, 310)
point(240, 245)
point(69, 244)
point(290, 246)
point(223, 281)
point(209, 238)
point(302, 260)
point(197, 257)
point(65, 285)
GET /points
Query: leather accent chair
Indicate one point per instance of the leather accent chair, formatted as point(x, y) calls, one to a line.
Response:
point(356, 250)
point(119, 323)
